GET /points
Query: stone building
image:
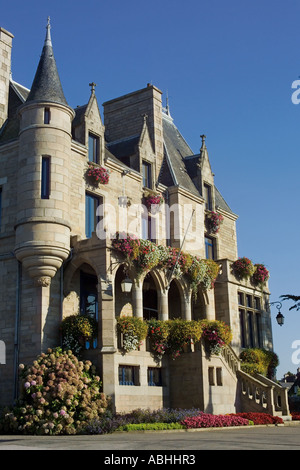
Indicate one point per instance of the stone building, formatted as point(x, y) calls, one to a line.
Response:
point(56, 252)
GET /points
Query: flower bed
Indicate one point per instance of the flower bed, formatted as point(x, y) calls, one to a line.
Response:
point(205, 420)
point(151, 427)
point(260, 418)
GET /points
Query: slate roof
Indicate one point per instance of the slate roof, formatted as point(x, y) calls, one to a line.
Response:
point(181, 163)
point(125, 147)
point(17, 95)
point(46, 85)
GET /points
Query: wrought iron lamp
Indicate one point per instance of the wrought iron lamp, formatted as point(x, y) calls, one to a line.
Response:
point(279, 317)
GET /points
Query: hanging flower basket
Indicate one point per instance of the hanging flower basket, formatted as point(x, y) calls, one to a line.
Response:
point(260, 275)
point(214, 221)
point(96, 175)
point(243, 268)
point(153, 201)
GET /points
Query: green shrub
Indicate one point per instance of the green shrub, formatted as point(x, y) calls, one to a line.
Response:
point(150, 427)
point(258, 360)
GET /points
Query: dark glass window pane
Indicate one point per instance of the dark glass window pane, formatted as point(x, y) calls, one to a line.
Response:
point(45, 180)
point(242, 328)
point(209, 248)
point(91, 214)
point(47, 116)
point(0, 207)
point(250, 327)
point(93, 148)
point(147, 183)
point(154, 376)
point(126, 375)
point(207, 197)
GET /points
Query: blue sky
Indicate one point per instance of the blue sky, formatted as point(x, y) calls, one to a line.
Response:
point(228, 69)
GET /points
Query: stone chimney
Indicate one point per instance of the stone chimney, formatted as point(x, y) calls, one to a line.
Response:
point(5, 71)
point(124, 117)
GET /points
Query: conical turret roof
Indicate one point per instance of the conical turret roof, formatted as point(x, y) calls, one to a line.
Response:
point(46, 85)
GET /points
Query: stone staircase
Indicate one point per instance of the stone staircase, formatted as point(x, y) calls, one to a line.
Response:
point(258, 393)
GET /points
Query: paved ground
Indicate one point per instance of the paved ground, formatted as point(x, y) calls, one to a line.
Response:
point(119, 444)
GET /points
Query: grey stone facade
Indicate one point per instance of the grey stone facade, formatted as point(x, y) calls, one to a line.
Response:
point(46, 252)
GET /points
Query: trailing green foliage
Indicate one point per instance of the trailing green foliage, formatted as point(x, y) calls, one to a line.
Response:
point(171, 336)
point(259, 361)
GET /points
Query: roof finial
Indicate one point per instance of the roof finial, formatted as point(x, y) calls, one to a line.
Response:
point(203, 137)
point(167, 104)
point(48, 35)
point(92, 85)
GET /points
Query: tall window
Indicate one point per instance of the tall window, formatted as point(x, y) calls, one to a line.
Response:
point(0, 208)
point(147, 176)
point(250, 320)
point(45, 177)
point(148, 227)
point(92, 216)
point(47, 116)
point(94, 148)
point(209, 248)
point(89, 301)
point(207, 196)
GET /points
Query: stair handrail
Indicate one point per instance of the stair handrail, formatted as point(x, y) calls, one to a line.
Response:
point(281, 399)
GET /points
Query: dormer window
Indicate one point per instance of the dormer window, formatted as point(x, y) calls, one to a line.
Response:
point(94, 148)
point(147, 175)
point(47, 116)
point(207, 194)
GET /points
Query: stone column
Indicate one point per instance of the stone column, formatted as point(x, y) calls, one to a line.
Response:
point(187, 306)
point(210, 306)
point(137, 299)
point(164, 305)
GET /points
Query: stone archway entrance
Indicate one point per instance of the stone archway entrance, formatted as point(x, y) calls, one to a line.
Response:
point(174, 300)
point(150, 298)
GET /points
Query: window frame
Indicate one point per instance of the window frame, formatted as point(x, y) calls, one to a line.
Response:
point(154, 377)
point(94, 149)
point(1, 206)
point(92, 227)
point(47, 115)
point(45, 176)
point(147, 174)
point(210, 247)
point(250, 319)
point(207, 194)
point(134, 372)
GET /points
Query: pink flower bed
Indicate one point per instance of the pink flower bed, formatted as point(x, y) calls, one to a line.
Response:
point(205, 420)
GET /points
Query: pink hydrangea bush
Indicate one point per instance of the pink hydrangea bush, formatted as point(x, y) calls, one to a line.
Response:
point(206, 420)
point(59, 395)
